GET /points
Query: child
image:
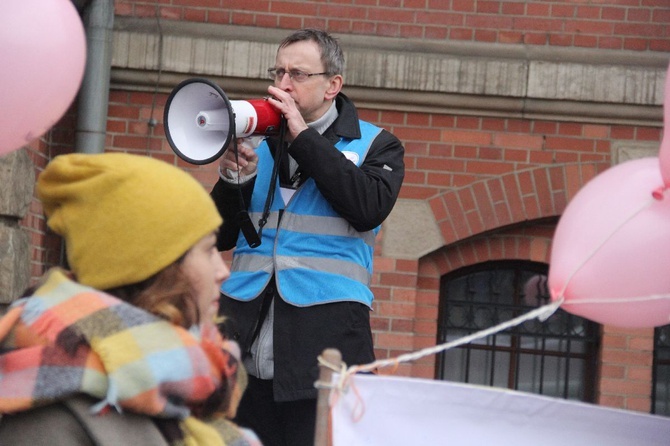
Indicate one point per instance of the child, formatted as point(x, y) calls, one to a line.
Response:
point(140, 362)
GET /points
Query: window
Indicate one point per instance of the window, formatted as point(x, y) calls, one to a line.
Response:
point(660, 398)
point(556, 357)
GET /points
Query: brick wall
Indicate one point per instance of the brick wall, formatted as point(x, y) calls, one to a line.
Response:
point(625, 377)
point(636, 25)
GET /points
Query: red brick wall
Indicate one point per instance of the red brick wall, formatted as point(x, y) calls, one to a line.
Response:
point(625, 376)
point(637, 25)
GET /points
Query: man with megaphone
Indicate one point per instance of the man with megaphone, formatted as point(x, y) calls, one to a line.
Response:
point(306, 286)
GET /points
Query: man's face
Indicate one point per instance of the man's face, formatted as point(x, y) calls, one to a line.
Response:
point(313, 96)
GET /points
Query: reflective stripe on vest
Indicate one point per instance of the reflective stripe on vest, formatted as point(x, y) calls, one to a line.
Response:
point(301, 251)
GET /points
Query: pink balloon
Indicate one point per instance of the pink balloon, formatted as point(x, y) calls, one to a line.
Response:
point(43, 54)
point(664, 152)
point(610, 258)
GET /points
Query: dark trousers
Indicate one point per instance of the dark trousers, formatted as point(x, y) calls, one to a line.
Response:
point(290, 423)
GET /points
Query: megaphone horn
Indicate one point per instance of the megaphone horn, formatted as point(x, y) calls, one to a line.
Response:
point(200, 121)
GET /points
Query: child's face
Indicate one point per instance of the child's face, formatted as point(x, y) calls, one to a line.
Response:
point(205, 271)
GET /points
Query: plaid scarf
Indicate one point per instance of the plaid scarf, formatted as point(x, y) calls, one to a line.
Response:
point(69, 339)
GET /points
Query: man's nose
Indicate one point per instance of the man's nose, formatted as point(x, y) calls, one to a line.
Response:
point(285, 82)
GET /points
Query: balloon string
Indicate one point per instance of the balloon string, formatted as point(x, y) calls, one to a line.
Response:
point(541, 313)
point(646, 204)
point(343, 378)
point(618, 300)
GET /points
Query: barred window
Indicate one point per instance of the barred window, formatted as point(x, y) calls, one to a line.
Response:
point(660, 398)
point(557, 357)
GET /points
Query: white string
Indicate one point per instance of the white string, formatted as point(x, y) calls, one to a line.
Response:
point(541, 313)
point(342, 370)
point(615, 300)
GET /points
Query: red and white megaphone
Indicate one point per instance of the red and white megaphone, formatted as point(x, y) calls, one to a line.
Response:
point(200, 121)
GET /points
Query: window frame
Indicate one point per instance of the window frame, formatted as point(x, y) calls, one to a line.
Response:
point(590, 341)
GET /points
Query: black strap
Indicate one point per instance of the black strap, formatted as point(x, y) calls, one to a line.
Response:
point(268, 296)
point(243, 220)
point(273, 180)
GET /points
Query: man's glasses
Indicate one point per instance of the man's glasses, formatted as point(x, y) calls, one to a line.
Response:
point(277, 74)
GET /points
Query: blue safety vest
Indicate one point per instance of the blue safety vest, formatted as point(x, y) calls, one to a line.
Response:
point(317, 256)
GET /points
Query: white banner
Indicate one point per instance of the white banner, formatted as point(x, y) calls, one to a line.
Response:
point(386, 411)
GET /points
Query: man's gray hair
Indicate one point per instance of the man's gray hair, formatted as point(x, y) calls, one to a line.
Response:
point(331, 53)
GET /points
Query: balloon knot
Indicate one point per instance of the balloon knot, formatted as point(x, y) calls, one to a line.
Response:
point(658, 193)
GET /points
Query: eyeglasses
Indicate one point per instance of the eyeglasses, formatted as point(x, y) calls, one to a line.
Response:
point(277, 74)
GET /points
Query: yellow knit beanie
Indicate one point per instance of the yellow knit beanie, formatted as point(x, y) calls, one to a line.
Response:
point(123, 217)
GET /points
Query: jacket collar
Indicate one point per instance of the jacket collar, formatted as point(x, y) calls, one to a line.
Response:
point(346, 125)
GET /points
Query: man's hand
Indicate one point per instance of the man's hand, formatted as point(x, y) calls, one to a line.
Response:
point(246, 156)
point(285, 104)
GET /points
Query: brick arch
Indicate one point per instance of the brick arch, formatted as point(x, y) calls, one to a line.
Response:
point(508, 245)
point(494, 204)
point(516, 197)
point(530, 244)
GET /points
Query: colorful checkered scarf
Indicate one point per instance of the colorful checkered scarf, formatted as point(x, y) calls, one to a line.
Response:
point(69, 339)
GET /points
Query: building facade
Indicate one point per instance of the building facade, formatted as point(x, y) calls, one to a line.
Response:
point(506, 109)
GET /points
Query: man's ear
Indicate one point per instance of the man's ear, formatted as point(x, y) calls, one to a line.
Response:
point(334, 87)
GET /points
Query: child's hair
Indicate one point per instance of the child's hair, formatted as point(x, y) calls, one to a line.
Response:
point(166, 294)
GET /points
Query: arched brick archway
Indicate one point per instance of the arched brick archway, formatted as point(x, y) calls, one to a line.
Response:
point(521, 196)
point(496, 203)
point(532, 244)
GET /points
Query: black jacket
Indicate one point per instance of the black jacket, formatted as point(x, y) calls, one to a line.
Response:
point(364, 196)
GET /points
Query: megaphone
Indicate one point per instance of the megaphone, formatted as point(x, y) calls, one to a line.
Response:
point(200, 121)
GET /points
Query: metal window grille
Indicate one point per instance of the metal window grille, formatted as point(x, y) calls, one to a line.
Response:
point(660, 397)
point(557, 357)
